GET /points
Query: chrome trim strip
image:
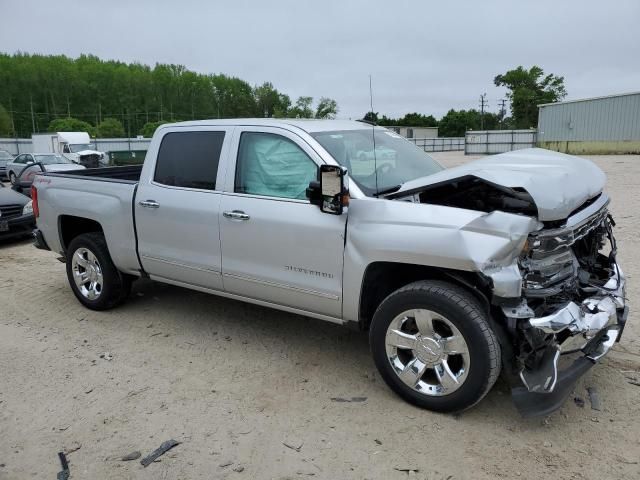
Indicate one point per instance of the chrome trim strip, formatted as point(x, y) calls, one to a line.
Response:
point(183, 265)
point(282, 285)
point(262, 303)
point(264, 197)
point(584, 215)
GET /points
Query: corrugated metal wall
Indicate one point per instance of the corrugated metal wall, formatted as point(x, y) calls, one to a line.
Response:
point(615, 118)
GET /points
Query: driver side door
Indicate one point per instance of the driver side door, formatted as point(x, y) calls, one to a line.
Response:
point(276, 246)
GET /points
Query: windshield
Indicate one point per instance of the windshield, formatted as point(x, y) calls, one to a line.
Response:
point(80, 147)
point(396, 160)
point(51, 159)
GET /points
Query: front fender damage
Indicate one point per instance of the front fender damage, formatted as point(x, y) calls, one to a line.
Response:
point(502, 266)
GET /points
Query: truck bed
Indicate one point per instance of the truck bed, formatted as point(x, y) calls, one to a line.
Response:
point(126, 174)
point(103, 195)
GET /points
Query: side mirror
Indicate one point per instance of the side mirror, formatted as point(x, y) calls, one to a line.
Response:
point(329, 193)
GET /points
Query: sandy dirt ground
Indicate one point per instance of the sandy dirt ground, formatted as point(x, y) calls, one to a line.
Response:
point(248, 391)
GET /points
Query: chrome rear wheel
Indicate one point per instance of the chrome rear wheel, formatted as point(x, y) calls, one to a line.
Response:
point(93, 277)
point(87, 273)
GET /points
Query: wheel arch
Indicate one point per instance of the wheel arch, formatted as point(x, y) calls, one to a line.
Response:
point(70, 226)
point(382, 278)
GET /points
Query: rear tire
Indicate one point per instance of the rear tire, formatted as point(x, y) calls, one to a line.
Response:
point(94, 279)
point(432, 343)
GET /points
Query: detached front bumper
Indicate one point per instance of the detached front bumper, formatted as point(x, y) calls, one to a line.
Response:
point(588, 330)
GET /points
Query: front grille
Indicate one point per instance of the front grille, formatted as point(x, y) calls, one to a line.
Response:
point(547, 274)
point(550, 240)
point(10, 211)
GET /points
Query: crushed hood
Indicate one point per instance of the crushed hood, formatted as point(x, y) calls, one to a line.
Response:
point(557, 183)
point(88, 152)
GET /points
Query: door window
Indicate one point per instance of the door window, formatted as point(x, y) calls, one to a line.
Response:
point(189, 159)
point(273, 166)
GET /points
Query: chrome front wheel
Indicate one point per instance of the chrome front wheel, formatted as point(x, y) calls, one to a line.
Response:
point(87, 273)
point(434, 346)
point(427, 352)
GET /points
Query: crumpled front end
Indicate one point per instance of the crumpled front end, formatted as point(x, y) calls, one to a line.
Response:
point(572, 308)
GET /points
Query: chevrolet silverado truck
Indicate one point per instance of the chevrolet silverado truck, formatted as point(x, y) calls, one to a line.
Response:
point(504, 264)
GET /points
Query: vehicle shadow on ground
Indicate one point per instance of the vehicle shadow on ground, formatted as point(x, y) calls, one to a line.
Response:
point(336, 347)
point(14, 242)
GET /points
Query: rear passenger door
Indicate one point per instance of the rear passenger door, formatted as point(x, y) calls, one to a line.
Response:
point(177, 204)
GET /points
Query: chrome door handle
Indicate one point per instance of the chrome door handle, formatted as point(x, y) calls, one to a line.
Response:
point(149, 204)
point(236, 215)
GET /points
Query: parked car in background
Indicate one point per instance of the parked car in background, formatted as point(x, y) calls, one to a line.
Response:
point(5, 157)
point(16, 214)
point(75, 146)
point(51, 162)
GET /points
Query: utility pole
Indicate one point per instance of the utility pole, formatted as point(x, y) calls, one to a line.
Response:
point(483, 104)
point(33, 120)
point(502, 102)
point(13, 125)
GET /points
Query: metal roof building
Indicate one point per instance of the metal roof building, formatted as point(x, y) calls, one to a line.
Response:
point(599, 125)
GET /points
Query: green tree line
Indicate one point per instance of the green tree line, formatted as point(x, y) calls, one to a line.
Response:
point(453, 124)
point(526, 89)
point(110, 97)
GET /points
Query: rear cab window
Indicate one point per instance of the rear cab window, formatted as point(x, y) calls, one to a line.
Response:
point(189, 159)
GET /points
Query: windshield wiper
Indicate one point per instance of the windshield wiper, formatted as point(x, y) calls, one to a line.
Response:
point(385, 191)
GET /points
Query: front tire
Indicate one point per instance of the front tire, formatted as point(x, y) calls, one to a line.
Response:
point(94, 279)
point(432, 343)
point(12, 178)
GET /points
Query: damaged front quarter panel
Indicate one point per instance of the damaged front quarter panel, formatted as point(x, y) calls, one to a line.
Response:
point(434, 236)
point(502, 268)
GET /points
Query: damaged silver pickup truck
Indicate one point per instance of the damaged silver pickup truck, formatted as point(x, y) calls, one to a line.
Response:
point(503, 264)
